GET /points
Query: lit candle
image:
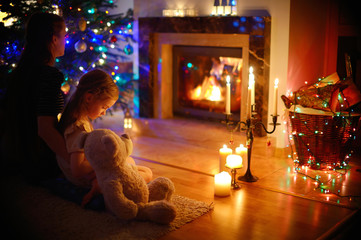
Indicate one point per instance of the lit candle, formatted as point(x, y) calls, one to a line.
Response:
point(222, 184)
point(220, 10)
point(128, 123)
point(252, 83)
point(228, 94)
point(275, 95)
point(223, 153)
point(249, 101)
point(234, 161)
point(241, 151)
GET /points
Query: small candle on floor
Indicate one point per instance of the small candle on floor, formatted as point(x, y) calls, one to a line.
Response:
point(234, 161)
point(241, 151)
point(222, 184)
point(223, 153)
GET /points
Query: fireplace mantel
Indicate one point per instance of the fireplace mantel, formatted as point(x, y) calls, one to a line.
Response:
point(157, 36)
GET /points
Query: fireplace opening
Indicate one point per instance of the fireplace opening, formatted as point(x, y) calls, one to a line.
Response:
point(199, 81)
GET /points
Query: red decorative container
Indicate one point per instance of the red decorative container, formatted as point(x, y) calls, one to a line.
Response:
point(323, 139)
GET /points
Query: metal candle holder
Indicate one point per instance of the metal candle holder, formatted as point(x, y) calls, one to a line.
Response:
point(249, 126)
point(234, 184)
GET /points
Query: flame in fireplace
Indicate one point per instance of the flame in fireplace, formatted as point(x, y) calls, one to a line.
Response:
point(215, 94)
point(209, 90)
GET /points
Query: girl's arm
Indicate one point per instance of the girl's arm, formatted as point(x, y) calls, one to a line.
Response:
point(48, 132)
point(95, 190)
point(80, 167)
point(145, 172)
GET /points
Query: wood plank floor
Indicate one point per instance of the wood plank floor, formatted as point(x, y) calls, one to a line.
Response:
point(281, 205)
point(249, 213)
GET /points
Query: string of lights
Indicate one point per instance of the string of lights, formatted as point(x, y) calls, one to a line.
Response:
point(313, 165)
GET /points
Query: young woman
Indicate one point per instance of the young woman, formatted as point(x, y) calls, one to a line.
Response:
point(34, 100)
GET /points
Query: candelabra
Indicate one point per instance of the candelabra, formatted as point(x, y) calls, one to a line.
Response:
point(248, 127)
point(234, 184)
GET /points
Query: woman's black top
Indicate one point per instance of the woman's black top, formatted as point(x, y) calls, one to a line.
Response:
point(32, 92)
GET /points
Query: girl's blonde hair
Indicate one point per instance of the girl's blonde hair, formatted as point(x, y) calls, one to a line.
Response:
point(96, 82)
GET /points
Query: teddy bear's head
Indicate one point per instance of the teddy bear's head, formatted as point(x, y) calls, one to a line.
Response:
point(104, 149)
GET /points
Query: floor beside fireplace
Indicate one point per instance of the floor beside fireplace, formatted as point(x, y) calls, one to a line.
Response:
point(281, 204)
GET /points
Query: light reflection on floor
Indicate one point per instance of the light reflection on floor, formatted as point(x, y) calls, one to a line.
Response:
point(194, 145)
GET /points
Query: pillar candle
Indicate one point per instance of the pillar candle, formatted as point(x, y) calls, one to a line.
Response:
point(222, 184)
point(223, 153)
point(228, 94)
point(234, 161)
point(242, 151)
point(275, 95)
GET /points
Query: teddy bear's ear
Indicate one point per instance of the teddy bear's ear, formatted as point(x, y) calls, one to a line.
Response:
point(110, 144)
point(80, 141)
point(125, 136)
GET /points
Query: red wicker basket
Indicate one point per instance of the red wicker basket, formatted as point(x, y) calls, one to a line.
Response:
point(323, 139)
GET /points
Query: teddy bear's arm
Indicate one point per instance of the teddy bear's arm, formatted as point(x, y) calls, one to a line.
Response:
point(117, 202)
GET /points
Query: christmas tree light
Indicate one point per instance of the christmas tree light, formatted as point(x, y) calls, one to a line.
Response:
point(95, 38)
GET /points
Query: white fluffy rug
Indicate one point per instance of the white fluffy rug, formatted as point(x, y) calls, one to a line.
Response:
point(33, 212)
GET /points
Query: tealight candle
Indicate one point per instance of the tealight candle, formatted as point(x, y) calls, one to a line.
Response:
point(223, 153)
point(234, 161)
point(222, 184)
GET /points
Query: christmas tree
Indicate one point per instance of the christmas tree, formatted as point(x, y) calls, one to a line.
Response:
point(95, 39)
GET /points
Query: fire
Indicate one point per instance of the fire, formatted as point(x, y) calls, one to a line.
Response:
point(196, 93)
point(209, 90)
point(215, 94)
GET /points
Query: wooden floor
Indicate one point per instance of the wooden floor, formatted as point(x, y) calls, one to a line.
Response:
point(281, 205)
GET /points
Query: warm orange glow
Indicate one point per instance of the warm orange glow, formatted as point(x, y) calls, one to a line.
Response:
point(207, 91)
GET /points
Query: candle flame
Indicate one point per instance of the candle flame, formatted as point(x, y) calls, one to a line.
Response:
point(228, 79)
point(251, 69)
point(224, 146)
point(276, 82)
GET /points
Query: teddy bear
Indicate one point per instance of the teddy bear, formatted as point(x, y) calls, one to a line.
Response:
point(126, 194)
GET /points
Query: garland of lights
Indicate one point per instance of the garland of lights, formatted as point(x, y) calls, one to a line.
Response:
point(320, 185)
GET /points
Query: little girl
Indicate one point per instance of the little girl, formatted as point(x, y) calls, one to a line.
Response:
point(95, 93)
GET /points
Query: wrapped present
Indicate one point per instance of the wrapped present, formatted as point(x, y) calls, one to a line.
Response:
point(327, 94)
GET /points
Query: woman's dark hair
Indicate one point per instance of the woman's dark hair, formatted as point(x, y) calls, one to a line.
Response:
point(39, 33)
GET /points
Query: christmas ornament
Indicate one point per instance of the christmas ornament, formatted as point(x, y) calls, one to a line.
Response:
point(65, 87)
point(128, 49)
point(82, 24)
point(80, 46)
point(113, 39)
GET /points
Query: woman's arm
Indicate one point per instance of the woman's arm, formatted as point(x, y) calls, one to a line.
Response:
point(48, 132)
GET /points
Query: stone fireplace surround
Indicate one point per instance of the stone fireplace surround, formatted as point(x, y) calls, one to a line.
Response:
point(157, 35)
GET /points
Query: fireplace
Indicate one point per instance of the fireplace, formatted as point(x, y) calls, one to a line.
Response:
point(199, 80)
point(202, 41)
